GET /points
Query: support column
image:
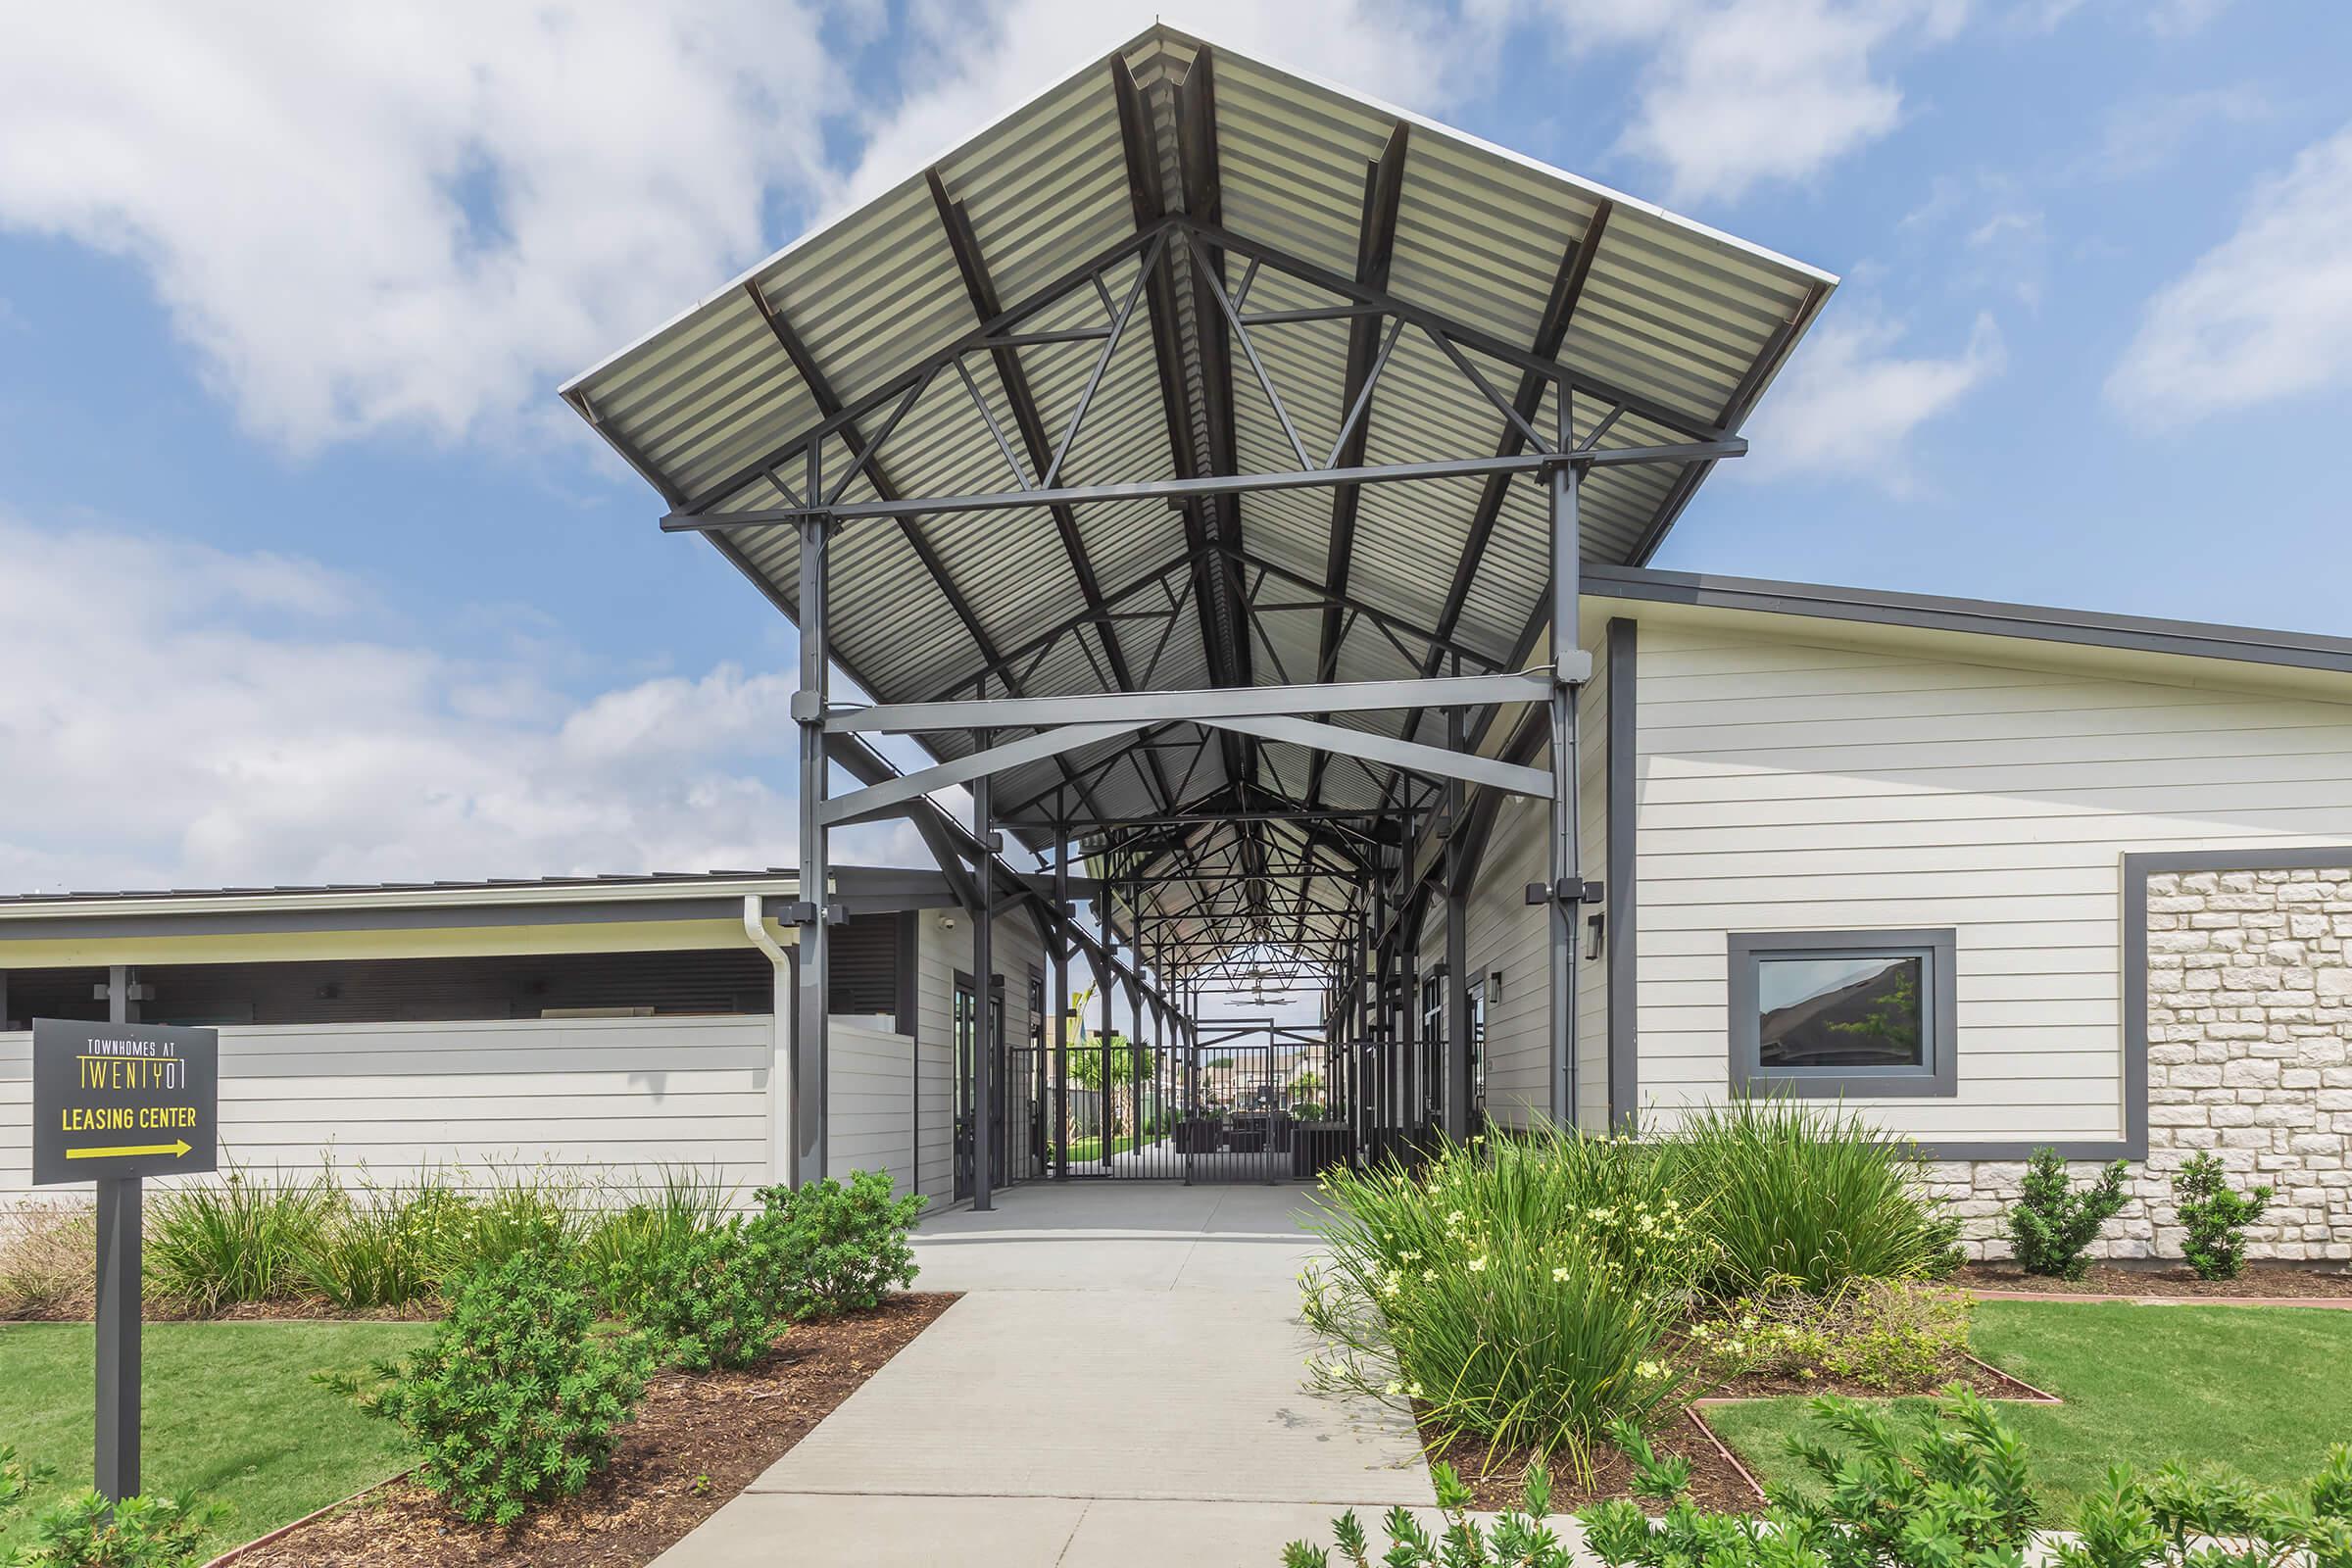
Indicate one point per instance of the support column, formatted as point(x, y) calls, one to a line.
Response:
point(1567, 879)
point(1456, 1090)
point(815, 972)
point(1135, 1053)
point(1062, 1001)
point(1104, 984)
point(121, 1206)
point(984, 981)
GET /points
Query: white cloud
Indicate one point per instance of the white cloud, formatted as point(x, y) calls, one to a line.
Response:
point(1851, 402)
point(412, 215)
point(2265, 315)
point(1740, 93)
point(179, 715)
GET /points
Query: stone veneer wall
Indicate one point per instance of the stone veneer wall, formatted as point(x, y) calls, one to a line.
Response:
point(2249, 1055)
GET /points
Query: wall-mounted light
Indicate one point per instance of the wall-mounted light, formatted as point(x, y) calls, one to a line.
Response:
point(1494, 986)
point(1596, 933)
point(946, 922)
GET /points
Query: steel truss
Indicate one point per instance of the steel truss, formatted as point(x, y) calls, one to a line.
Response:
point(1234, 885)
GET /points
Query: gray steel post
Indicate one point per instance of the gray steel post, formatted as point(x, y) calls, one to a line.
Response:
point(1061, 1001)
point(1105, 983)
point(1566, 876)
point(814, 971)
point(1456, 1092)
point(119, 1213)
point(984, 982)
point(1135, 1054)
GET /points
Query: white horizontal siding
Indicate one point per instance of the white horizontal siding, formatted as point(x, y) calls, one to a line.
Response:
point(1784, 786)
point(589, 1099)
point(869, 1101)
point(941, 953)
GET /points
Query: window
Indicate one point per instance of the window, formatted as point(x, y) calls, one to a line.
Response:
point(1865, 1013)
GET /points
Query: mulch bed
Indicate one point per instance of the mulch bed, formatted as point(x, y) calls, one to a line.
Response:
point(1499, 1480)
point(698, 1438)
point(2272, 1282)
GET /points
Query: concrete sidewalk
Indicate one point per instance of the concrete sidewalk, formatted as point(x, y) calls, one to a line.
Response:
point(1120, 1384)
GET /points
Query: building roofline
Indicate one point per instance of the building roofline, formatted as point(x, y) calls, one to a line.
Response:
point(408, 895)
point(2246, 645)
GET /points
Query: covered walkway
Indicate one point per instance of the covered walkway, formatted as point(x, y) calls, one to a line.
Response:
point(1119, 1385)
point(1201, 466)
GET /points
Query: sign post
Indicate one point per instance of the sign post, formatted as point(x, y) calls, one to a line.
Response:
point(119, 1103)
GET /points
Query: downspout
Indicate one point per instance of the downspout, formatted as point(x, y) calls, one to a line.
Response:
point(780, 1098)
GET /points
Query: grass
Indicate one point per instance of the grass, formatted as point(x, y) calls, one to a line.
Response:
point(2260, 1390)
point(230, 1413)
point(1091, 1147)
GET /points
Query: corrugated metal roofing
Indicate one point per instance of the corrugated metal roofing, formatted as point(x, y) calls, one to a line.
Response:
point(1680, 320)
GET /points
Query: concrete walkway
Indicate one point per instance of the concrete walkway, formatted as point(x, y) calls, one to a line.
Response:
point(1121, 1384)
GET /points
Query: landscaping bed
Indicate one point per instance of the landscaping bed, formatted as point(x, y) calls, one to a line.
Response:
point(2268, 1281)
point(1498, 1480)
point(698, 1440)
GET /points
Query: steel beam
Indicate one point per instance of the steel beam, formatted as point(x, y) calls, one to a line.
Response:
point(1215, 484)
point(1137, 708)
point(1435, 760)
point(892, 795)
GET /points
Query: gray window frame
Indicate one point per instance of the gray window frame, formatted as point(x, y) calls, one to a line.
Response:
point(1939, 1074)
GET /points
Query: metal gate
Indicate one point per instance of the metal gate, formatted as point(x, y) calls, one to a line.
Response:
point(1255, 1108)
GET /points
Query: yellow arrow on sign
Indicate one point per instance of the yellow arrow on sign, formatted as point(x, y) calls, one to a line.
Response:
point(175, 1148)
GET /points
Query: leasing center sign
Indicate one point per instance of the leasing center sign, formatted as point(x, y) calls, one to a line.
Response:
point(122, 1099)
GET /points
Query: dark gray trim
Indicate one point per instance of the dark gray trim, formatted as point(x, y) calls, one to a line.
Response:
point(1624, 912)
point(1938, 1076)
point(910, 963)
point(1983, 617)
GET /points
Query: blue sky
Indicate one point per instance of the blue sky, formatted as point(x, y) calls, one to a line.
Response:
point(309, 575)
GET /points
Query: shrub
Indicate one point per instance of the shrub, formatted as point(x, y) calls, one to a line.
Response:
point(85, 1531)
point(2216, 1217)
point(48, 1261)
point(384, 1247)
point(1803, 1193)
point(714, 1299)
point(1518, 1537)
point(1882, 1334)
point(839, 1247)
point(1523, 1293)
point(2168, 1519)
point(621, 1246)
point(1950, 1494)
point(2052, 1225)
point(517, 1400)
point(236, 1241)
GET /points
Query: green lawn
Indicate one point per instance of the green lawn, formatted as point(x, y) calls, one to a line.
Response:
point(2261, 1390)
point(230, 1413)
point(1083, 1149)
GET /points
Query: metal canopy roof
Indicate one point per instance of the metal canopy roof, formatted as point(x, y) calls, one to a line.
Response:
point(1314, 280)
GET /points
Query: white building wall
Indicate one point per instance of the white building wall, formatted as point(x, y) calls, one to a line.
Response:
point(1791, 783)
point(940, 954)
point(589, 1099)
point(869, 1099)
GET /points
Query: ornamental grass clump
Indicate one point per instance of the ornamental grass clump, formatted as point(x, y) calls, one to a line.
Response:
point(625, 1243)
point(1804, 1193)
point(2216, 1217)
point(234, 1242)
point(380, 1249)
point(1523, 1293)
